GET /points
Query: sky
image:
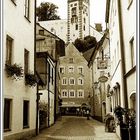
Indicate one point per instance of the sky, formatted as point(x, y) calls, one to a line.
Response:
point(97, 10)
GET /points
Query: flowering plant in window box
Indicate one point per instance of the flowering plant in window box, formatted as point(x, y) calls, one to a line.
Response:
point(30, 79)
point(15, 71)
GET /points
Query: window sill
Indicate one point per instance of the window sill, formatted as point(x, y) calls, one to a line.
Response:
point(13, 2)
point(129, 5)
point(7, 130)
point(27, 19)
point(25, 127)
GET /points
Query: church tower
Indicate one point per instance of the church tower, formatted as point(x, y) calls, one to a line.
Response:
point(78, 19)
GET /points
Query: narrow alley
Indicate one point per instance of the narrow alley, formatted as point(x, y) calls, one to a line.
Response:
point(76, 128)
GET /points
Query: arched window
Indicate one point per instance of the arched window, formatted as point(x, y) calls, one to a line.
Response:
point(133, 101)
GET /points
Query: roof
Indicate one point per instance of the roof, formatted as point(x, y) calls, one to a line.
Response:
point(88, 53)
point(95, 50)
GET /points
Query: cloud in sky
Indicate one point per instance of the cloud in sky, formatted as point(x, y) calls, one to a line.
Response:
point(97, 10)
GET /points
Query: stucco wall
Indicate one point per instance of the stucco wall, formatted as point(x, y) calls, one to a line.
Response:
point(22, 32)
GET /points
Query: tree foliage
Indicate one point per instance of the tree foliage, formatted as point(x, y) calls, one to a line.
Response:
point(85, 44)
point(47, 11)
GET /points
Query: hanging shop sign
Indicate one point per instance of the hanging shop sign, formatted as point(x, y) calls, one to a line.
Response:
point(102, 64)
point(102, 79)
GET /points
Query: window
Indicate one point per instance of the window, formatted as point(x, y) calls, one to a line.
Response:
point(7, 114)
point(25, 114)
point(80, 81)
point(71, 69)
point(26, 61)
point(84, 20)
point(76, 27)
point(72, 81)
point(71, 93)
point(80, 70)
point(74, 19)
point(80, 93)
point(84, 27)
point(132, 52)
point(75, 4)
point(73, 11)
point(27, 9)
point(9, 47)
point(64, 93)
point(64, 81)
point(41, 32)
point(62, 70)
point(71, 60)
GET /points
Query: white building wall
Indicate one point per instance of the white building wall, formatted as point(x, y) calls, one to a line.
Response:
point(57, 27)
point(116, 73)
point(22, 32)
point(129, 29)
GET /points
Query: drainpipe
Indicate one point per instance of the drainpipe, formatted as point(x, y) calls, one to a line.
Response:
point(37, 94)
point(37, 109)
point(55, 92)
point(124, 86)
point(48, 94)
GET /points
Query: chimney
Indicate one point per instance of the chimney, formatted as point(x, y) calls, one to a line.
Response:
point(98, 27)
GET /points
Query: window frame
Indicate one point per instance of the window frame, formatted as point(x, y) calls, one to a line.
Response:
point(63, 69)
point(28, 114)
point(71, 60)
point(27, 9)
point(79, 82)
point(66, 82)
point(26, 61)
point(9, 49)
point(70, 94)
point(69, 69)
point(132, 52)
point(64, 96)
point(10, 115)
point(71, 78)
point(78, 93)
point(82, 68)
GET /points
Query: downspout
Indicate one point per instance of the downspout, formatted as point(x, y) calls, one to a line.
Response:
point(48, 94)
point(55, 91)
point(93, 90)
point(37, 95)
point(124, 86)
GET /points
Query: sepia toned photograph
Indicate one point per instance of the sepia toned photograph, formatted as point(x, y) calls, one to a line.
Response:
point(69, 70)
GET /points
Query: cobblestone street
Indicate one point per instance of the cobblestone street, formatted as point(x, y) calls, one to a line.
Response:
point(76, 128)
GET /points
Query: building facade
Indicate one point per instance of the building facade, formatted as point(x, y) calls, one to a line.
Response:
point(57, 27)
point(121, 22)
point(49, 48)
point(123, 51)
point(78, 19)
point(19, 100)
point(99, 61)
point(75, 80)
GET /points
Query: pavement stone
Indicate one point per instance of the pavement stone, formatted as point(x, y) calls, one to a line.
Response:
point(76, 128)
